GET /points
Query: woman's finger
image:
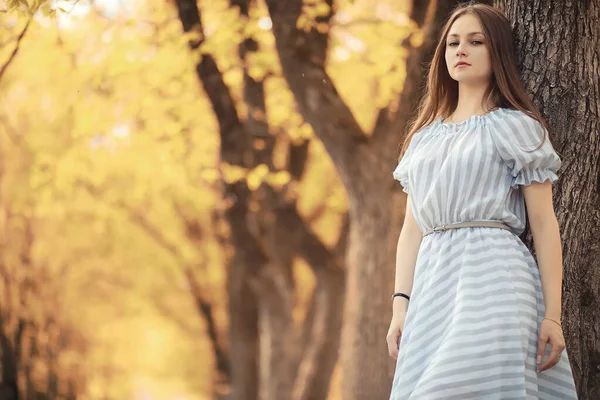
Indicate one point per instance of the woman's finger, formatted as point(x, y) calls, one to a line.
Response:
point(393, 344)
point(542, 341)
point(554, 357)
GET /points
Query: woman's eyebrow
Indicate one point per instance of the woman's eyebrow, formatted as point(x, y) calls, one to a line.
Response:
point(468, 34)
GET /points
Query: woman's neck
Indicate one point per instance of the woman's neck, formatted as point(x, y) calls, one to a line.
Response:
point(470, 102)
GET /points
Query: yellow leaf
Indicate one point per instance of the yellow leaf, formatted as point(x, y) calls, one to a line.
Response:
point(303, 23)
point(211, 175)
point(257, 73)
point(322, 27)
point(322, 9)
point(279, 179)
point(232, 173)
point(193, 36)
point(259, 144)
point(417, 39)
point(257, 176)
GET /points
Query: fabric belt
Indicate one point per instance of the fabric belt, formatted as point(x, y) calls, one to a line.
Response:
point(469, 224)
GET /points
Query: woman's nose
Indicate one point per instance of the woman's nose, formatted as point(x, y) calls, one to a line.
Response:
point(460, 49)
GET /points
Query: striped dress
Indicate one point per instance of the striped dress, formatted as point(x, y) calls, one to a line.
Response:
point(471, 327)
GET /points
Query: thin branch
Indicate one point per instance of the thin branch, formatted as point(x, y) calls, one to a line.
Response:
point(11, 133)
point(172, 316)
point(15, 50)
point(206, 309)
point(138, 220)
point(73, 7)
point(202, 303)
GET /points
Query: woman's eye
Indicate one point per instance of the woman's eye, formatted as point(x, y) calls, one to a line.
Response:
point(472, 42)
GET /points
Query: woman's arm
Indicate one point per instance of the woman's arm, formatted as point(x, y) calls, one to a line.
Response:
point(548, 247)
point(406, 258)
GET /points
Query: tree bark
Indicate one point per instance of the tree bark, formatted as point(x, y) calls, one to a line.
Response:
point(562, 78)
point(364, 164)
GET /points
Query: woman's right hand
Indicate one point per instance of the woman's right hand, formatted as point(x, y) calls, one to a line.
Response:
point(394, 334)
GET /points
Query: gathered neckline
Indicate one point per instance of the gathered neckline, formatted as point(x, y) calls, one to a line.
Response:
point(476, 117)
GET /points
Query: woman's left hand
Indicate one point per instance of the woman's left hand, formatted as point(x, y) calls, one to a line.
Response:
point(549, 333)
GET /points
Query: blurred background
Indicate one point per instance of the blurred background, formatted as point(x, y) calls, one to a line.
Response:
point(113, 237)
point(171, 226)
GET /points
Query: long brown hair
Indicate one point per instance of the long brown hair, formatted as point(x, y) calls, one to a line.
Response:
point(505, 90)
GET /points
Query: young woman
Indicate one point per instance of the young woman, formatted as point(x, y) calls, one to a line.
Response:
point(474, 316)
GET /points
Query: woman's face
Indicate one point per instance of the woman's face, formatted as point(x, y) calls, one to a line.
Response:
point(466, 43)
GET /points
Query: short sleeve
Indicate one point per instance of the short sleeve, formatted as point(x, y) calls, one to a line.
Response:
point(518, 139)
point(402, 169)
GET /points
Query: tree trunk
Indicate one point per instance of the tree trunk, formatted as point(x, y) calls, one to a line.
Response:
point(365, 165)
point(265, 243)
point(562, 77)
point(8, 381)
point(247, 258)
point(321, 338)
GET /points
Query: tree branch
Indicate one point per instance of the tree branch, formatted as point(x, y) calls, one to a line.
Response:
point(170, 315)
point(203, 305)
point(303, 58)
point(12, 56)
point(429, 16)
point(205, 308)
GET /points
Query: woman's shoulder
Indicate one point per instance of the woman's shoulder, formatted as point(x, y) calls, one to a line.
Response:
point(513, 116)
point(419, 134)
point(513, 128)
point(515, 125)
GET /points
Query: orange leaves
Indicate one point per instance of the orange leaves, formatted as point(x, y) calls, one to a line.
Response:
point(255, 177)
point(103, 124)
point(312, 11)
point(232, 173)
point(366, 42)
point(47, 8)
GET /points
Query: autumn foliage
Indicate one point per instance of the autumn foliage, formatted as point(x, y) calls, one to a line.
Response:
point(119, 245)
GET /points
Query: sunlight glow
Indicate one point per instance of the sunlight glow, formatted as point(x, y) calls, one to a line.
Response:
point(121, 131)
point(265, 23)
point(341, 53)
